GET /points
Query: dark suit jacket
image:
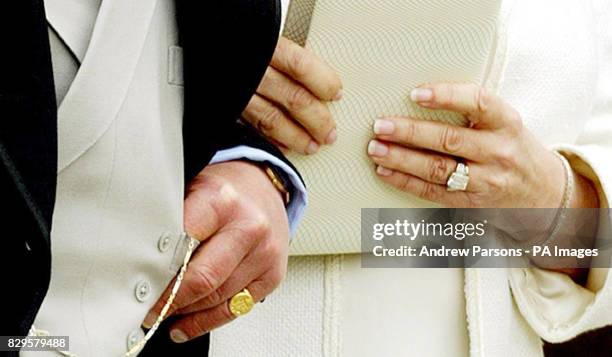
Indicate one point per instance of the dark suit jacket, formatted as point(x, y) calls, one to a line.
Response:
point(223, 66)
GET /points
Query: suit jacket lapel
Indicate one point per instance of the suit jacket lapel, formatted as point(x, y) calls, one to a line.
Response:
point(95, 97)
point(73, 21)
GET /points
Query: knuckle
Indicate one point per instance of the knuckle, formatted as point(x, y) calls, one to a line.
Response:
point(326, 119)
point(429, 192)
point(398, 157)
point(445, 94)
point(195, 327)
point(276, 277)
point(215, 297)
point(225, 199)
point(506, 157)
point(174, 306)
point(226, 313)
point(405, 184)
point(304, 143)
point(298, 62)
point(498, 183)
point(270, 119)
point(299, 99)
point(259, 226)
point(438, 170)
point(252, 106)
point(221, 200)
point(451, 139)
point(324, 123)
point(515, 122)
point(268, 80)
point(334, 87)
point(206, 279)
point(272, 252)
point(409, 132)
point(190, 326)
point(477, 200)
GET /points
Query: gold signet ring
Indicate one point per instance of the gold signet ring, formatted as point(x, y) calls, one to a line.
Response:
point(241, 303)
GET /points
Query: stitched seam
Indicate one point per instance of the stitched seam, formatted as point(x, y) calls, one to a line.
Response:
point(104, 201)
point(331, 336)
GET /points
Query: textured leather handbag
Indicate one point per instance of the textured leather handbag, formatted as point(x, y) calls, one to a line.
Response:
point(382, 50)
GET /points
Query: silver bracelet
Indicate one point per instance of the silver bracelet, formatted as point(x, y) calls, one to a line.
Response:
point(565, 202)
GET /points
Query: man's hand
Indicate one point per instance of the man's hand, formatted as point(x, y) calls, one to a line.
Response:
point(239, 217)
point(289, 107)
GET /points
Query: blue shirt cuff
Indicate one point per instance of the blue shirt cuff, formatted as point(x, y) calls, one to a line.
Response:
point(299, 200)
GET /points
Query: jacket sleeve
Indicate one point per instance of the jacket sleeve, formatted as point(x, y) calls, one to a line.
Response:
point(557, 308)
point(227, 46)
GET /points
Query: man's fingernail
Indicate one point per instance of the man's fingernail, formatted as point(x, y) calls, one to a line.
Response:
point(421, 95)
point(383, 171)
point(149, 320)
point(339, 95)
point(383, 127)
point(178, 336)
point(331, 137)
point(312, 148)
point(376, 148)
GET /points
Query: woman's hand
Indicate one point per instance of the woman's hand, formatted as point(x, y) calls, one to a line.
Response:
point(289, 107)
point(508, 166)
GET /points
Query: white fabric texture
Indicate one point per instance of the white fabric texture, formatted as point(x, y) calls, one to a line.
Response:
point(539, 293)
point(558, 75)
point(288, 318)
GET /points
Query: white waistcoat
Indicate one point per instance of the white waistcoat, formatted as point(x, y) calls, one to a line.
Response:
point(118, 214)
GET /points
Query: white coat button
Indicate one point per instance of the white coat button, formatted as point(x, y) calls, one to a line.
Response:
point(133, 338)
point(143, 290)
point(164, 242)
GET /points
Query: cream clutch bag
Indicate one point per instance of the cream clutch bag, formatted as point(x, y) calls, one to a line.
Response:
point(382, 50)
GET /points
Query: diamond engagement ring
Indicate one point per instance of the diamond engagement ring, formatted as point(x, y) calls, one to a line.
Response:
point(459, 179)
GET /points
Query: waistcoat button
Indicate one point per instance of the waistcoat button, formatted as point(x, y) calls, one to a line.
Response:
point(143, 290)
point(133, 338)
point(164, 242)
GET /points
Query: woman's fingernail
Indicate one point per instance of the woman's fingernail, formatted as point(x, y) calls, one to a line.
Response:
point(339, 95)
point(421, 95)
point(312, 148)
point(178, 336)
point(383, 171)
point(149, 319)
point(331, 137)
point(376, 148)
point(383, 127)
